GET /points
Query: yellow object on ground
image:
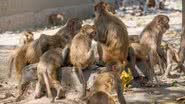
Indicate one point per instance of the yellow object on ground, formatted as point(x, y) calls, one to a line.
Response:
point(126, 77)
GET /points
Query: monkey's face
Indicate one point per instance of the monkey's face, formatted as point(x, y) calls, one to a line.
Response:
point(60, 17)
point(28, 36)
point(162, 22)
point(90, 30)
point(110, 8)
point(100, 7)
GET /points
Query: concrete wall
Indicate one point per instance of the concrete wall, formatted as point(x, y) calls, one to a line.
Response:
point(19, 14)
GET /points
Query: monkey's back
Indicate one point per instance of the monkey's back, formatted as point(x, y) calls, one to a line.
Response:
point(80, 53)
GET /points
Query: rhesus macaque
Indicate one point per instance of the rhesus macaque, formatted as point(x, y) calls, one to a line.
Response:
point(81, 53)
point(108, 80)
point(56, 19)
point(151, 38)
point(30, 53)
point(112, 34)
point(172, 56)
point(47, 67)
point(26, 37)
point(100, 97)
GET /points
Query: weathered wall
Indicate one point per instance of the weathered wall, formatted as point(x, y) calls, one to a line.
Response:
point(19, 14)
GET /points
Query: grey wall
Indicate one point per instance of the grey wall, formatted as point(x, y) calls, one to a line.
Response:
point(19, 14)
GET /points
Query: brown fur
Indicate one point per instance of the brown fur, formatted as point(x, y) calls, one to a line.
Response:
point(56, 19)
point(30, 53)
point(151, 38)
point(26, 37)
point(49, 62)
point(81, 53)
point(112, 34)
point(108, 81)
point(100, 97)
point(138, 52)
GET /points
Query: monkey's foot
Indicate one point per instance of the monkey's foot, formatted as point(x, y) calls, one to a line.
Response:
point(60, 94)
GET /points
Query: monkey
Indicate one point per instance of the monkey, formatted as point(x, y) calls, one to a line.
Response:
point(47, 67)
point(112, 34)
point(108, 80)
point(172, 56)
point(151, 38)
point(100, 97)
point(56, 19)
point(26, 37)
point(81, 53)
point(30, 53)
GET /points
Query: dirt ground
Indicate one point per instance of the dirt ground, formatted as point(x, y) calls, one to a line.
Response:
point(168, 91)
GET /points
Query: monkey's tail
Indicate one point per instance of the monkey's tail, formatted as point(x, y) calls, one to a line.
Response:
point(10, 64)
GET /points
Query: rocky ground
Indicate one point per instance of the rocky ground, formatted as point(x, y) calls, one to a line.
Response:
point(169, 90)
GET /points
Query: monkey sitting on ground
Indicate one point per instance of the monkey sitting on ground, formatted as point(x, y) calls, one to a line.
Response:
point(81, 52)
point(26, 37)
point(172, 56)
point(30, 53)
point(151, 38)
point(100, 97)
point(112, 35)
point(56, 19)
point(47, 67)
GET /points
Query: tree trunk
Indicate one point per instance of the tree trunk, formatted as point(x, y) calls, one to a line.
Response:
point(183, 13)
point(182, 44)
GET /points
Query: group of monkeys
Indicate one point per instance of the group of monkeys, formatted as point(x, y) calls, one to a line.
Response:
point(72, 45)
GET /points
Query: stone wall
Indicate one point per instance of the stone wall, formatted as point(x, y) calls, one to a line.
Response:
point(22, 14)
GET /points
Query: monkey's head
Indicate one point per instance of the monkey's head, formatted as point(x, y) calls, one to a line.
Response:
point(74, 24)
point(100, 7)
point(28, 36)
point(110, 8)
point(89, 30)
point(162, 22)
point(60, 16)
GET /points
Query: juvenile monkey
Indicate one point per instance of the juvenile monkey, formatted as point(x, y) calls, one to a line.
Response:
point(172, 56)
point(26, 37)
point(108, 80)
point(100, 97)
point(47, 67)
point(30, 53)
point(112, 34)
point(56, 19)
point(81, 53)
